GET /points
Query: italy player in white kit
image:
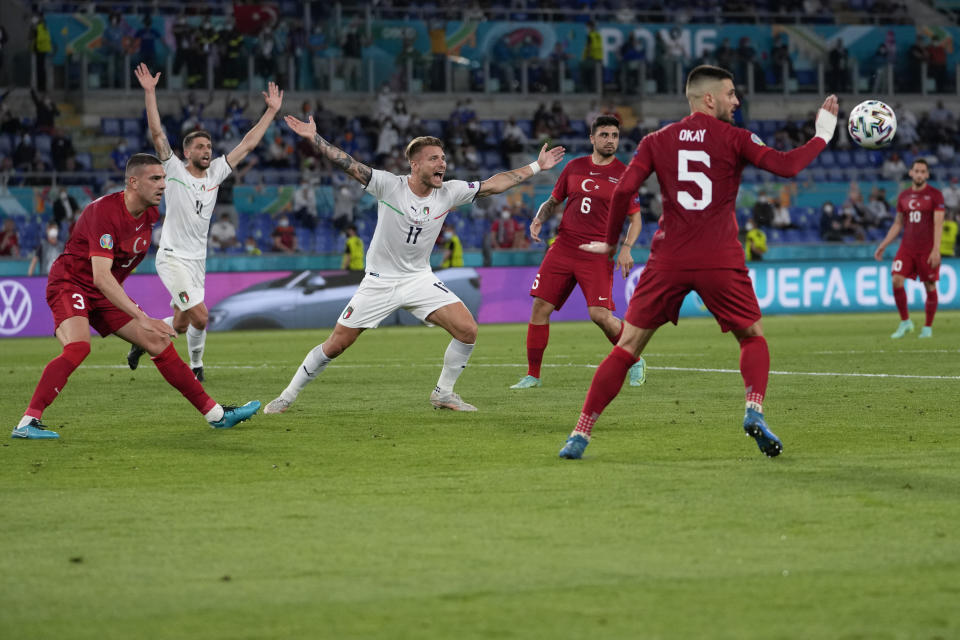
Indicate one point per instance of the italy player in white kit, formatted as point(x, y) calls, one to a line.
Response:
point(410, 215)
point(191, 198)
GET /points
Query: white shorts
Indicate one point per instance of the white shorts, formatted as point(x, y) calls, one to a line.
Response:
point(183, 278)
point(378, 297)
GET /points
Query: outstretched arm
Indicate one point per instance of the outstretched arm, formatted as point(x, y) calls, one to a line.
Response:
point(499, 183)
point(356, 170)
point(149, 84)
point(546, 211)
point(273, 97)
point(790, 163)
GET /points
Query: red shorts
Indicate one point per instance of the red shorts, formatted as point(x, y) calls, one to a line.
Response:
point(562, 269)
point(68, 300)
point(912, 265)
point(727, 293)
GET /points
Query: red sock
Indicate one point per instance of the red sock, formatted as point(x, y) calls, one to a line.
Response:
point(537, 337)
point(606, 384)
point(178, 374)
point(54, 377)
point(900, 297)
point(615, 339)
point(755, 367)
point(931, 306)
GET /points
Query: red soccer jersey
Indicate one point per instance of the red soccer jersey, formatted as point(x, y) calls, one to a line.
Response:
point(587, 188)
point(698, 162)
point(917, 209)
point(107, 229)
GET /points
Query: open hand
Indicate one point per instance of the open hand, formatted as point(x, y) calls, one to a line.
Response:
point(597, 247)
point(147, 81)
point(273, 96)
point(303, 129)
point(548, 159)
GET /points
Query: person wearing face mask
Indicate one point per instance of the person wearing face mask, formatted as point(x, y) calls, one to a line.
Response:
point(504, 229)
point(285, 237)
point(452, 248)
point(47, 251)
point(65, 208)
point(119, 156)
point(191, 198)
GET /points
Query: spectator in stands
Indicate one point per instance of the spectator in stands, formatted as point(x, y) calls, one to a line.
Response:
point(633, 55)
point(780, 59)
point(878, 215)
point(39, 177)
point(937, 64)
point(353, 250)
point(112, 49)
point(558, 67)
point(285, 237)
point(781, 214)
point(9, 123)
point(916, 57)
point(67, 176)
point(317, 45)
point(183, 44)
point(24, 152)
point(726, 55)
point(452, 247)
point(345, 197)
point(119, 156)
point(948, 237)
point(504, 230)
point(513, 140)
point(559, 121)
point(250, 247)
point(951, 196)
point(223, 233)
point(204, 53)
point(40, 46)
point(542, 122)
point(854, 214)
point(763, 210)
point(838, 68)
point(47, 251)
point(148, 37)
point(65, 208)
point(191, 112)
point(592, 70)
point(351, 47)
point(305, 205)
point(61, 148)
point(278, 153)
point(9, 239)
point(674, 57)
point(755, 241)
point(831, 223)
point(893, 167)
point(747, 64)
point(47, 112)
point(388, 139)
point(233, 55)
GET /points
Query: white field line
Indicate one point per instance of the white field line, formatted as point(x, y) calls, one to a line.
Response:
point(291, 366)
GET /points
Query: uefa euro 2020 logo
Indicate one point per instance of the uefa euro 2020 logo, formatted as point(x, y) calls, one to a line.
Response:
point(15, 307)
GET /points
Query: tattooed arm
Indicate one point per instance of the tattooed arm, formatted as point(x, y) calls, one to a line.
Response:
point(546, 211)
point(149, 84)
point(507, 179)
point(341, 159)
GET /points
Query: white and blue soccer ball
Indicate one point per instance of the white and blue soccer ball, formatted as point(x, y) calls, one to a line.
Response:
point(872, 124)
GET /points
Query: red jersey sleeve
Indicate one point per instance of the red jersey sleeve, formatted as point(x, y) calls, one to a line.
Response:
point(782, 163)
point(938, 206)
point(101, 234)
point(624, 196)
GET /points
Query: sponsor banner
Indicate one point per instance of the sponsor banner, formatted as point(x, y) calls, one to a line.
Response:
point(308, 299)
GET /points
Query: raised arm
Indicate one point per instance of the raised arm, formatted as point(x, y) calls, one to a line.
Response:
point(340, 158)
point(273, 97)
point(546, 211)
point(499, 183)
point(149, 84)
point(787, 164)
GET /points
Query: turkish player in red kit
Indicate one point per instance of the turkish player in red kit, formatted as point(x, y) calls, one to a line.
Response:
point(587, 184)
point(920, 214)
point(698, 162)
point(85, 289)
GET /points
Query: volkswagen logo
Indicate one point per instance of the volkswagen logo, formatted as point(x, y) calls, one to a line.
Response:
point(15, 307)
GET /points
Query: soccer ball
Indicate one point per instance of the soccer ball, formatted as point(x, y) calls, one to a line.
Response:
point(872, 124)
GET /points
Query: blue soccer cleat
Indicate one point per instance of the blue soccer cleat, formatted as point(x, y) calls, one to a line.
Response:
point(905, 327)
point(756, 428)
point(573, 449)
point(235, 415)
point(34, 431)
point(638, 373)
point(926, 332)
point(526, 382)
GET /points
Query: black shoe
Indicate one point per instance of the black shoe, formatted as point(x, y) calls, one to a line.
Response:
point(198, 373)
point(133, 356)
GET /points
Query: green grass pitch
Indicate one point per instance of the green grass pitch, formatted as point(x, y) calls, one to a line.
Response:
point(363, 513)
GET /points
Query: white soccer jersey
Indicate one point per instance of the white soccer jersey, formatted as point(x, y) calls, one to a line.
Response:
point(408, 226)
point(190, 203)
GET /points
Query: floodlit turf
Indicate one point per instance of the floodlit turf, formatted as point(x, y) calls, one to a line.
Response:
point(363, 513)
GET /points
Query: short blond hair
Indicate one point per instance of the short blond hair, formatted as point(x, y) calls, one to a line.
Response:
point(419, 143)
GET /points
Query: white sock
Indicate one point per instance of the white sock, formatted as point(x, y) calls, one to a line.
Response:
point(215, 414)
point(24, 421)
point(454, 362)
point(312, 366)
point(196, 339)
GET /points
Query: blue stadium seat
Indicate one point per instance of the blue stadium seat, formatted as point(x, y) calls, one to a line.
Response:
point(305, 240)
point(818, 174)
point(211, 125)
point(434, 127)
point(131, 127)
point(751, 174)
point(85, 160)
point(526, 126)
point(43, 142)
point(6, 144)
point(811, 235)
point(843, 158)
point(827, 159)
point(492, 160)
point(110, 126)
point(792, 235)
point(861, 158)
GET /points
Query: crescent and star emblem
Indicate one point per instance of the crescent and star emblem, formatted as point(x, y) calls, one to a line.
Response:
point(139, 239)
point(584, 187)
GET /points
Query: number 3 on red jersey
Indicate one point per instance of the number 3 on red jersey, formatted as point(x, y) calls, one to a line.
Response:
point(687, 201)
